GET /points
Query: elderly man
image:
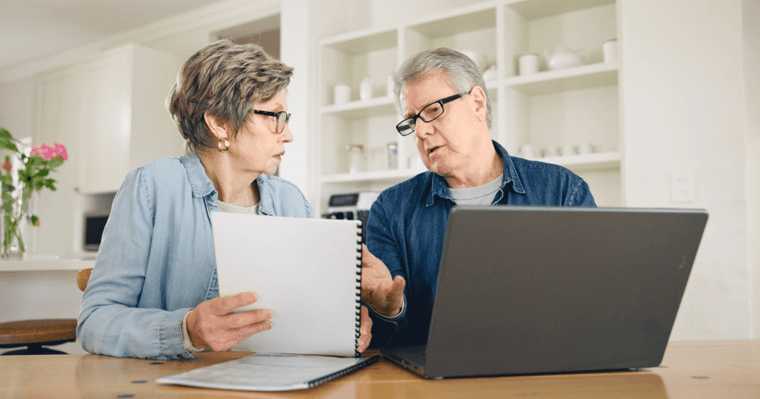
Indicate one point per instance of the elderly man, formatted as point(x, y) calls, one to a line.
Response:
point(446, 105)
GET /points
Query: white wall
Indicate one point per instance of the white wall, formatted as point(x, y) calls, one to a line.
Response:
point(684, 115)
point(751, 53)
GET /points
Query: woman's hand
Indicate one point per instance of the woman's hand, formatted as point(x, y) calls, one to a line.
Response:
point(211, 325)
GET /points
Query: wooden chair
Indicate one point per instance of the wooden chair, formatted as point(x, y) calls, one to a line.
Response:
point(34, 336)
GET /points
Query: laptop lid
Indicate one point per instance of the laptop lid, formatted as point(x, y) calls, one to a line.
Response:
point(530, 290)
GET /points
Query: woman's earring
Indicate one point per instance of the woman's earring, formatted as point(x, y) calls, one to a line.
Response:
point(223, 145)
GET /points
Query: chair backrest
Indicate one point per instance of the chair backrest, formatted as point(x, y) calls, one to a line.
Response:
point(83, 277)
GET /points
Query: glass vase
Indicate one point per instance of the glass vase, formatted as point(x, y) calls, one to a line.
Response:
point(16, 225)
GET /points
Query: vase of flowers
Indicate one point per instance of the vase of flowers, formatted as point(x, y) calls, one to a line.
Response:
point(31, 175)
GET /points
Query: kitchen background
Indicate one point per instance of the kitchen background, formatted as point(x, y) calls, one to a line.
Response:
point(673, 120)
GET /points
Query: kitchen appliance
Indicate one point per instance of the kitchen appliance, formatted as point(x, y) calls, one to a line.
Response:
point(93, 232)
point(351, 206)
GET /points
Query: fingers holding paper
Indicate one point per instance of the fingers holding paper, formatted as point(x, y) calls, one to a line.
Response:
point(379, 289)
point(212, 325)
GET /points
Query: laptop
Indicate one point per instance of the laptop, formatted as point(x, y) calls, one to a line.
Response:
point(539, 290)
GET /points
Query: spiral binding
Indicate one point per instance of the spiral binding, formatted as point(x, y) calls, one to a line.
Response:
point(343, 372)
point(358, 287)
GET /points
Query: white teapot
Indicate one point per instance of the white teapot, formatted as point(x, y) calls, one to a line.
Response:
point(565, 58)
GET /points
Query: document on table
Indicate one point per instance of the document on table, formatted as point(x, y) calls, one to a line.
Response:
point(270, 372)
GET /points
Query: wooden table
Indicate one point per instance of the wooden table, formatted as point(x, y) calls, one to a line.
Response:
point(693, 369)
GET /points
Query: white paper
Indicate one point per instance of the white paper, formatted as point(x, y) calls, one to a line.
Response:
point(265, 372)
point(303, 270)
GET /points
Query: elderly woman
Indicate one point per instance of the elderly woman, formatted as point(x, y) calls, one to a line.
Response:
point(153, 292)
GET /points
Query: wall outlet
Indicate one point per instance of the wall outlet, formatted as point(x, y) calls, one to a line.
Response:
point(682, 186)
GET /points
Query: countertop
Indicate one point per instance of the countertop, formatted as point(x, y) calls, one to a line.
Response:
point(48, 263)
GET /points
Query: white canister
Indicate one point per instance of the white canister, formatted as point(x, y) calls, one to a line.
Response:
point(365, 89)
point(528, 63)
point(609, 50)
point(355, 158)
point(342, 93)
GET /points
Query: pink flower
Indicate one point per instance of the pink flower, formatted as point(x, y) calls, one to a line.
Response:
point(47, 152)
point(60, 150)
point(7, 165)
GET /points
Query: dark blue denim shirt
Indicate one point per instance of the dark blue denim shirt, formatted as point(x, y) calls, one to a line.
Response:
point(407, 226)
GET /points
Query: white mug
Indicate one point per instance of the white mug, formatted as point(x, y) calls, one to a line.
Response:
point(609, 49)
point(528, 63)
point(568, 149)
point(342, 93)
point(585, 148)
point(552, 152)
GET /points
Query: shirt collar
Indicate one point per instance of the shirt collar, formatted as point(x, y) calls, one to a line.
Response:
point(199, 182)
point(438, 186)
point(202, 187)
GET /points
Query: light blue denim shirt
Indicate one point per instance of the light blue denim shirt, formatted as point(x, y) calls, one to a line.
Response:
point(407, 226)
point(156, 260)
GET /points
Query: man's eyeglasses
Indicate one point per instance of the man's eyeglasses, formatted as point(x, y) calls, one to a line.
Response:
point(428, 114)
point(282, 118)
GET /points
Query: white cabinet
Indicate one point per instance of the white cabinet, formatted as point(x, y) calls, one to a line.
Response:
point(57, 122)
point(109, 111)
point(555, 108)
point(123, 118)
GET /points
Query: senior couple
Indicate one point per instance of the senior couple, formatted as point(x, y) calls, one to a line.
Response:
point(153, 292)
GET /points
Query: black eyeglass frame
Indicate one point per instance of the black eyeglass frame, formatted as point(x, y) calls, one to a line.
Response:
point(278, 115)
point(413, 119)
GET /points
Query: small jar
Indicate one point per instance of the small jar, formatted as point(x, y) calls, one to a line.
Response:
point(392, 151)
point(355, 157)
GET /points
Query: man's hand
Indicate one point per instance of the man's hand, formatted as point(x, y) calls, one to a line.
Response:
point(365, 330)
point(211, 325)
point(385, 294)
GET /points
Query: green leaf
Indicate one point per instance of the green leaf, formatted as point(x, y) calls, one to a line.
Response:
point(5, 134)
point(8, 146)
point(42, 173)
point(34, 220)
point(55, 162)
point(50, 183)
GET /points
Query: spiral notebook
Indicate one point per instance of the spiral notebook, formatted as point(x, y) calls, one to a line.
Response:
point(306, 271)
point(270, 372)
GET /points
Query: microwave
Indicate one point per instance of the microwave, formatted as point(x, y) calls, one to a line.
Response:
point(93, 232)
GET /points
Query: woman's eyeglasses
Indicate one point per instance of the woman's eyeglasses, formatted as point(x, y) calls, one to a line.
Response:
point(282, 118)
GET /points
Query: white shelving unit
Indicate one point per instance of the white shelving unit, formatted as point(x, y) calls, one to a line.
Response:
point(547, 109)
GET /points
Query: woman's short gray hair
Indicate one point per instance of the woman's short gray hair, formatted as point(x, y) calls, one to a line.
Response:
point(462, 72)
point(225, 80)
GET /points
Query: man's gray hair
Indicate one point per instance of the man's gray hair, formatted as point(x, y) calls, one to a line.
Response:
point(462, 72)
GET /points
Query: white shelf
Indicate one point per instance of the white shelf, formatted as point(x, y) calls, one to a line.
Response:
point(537, 9)
point(595, 161)
point(586, 162)
point(361, 42)
point(500, 30)
point(383, 175)
point(576, 78)
point(361, 109)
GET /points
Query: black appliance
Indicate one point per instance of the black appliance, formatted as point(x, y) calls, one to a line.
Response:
point(351, 206)
point(93, 231)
